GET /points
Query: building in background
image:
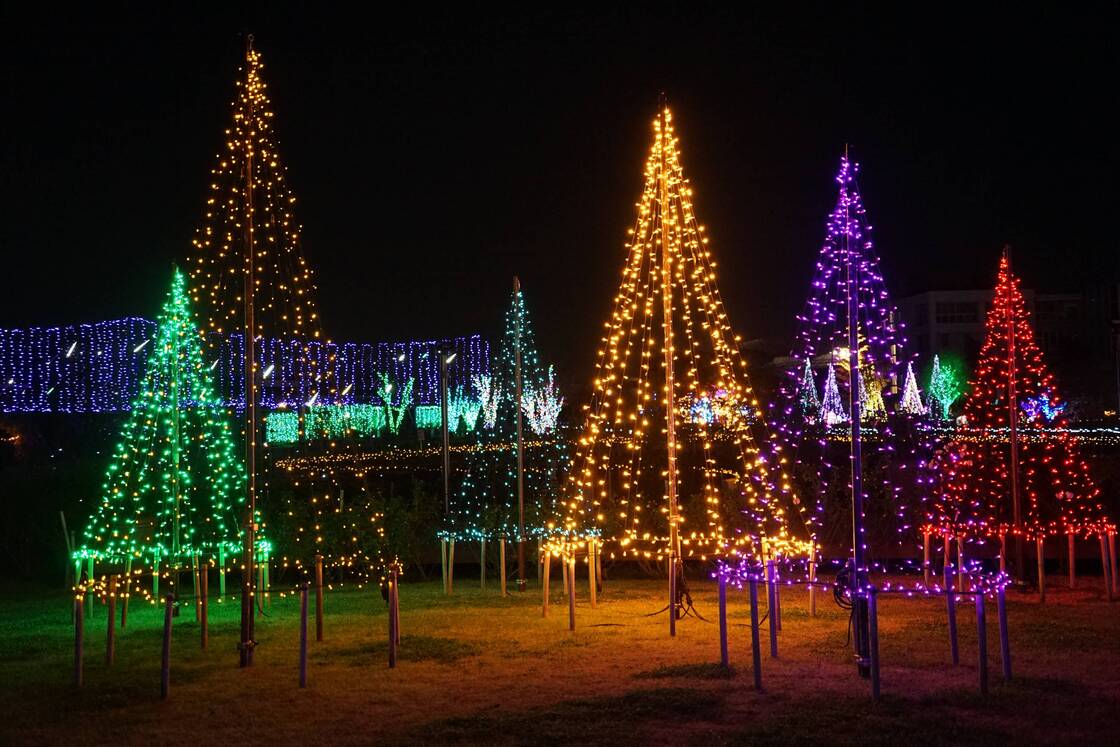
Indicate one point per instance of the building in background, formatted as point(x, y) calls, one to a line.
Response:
point(1074, 331)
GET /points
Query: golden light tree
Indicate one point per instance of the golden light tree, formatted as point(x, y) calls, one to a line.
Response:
point(674, 460)
point(248, 276)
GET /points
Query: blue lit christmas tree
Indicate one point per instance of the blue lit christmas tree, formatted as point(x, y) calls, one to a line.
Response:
point(486, 504)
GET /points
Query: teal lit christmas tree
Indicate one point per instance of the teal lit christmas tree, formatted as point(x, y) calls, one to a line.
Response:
point(486, 505)
point(810, 403)
point(175, 487)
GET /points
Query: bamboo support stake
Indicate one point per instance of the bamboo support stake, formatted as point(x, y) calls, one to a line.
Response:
point(982, 641)
point(756, 648)
point(482, 565)
point(1004, 643)
point(127, 591)
point(954, 651)
point(724, 659)
point(204, 603)
point(221, 573)
point(1072, 563)
point(165, 662)
point(392, 621)
point(111, 629)
point(397, 604)
point(79, 638)
point(318, 597)
point(443, 563)
point(502, 563)
point(961, 572)
point(925, 557)
point(303, 635)
point(1105, 568)
point(1003, 553)
point(572, 592)
point(599, 564)
point(771, 604)
point(591, 553)
point(547, 561)
point(89, 579)
point(1041, 555)
point(873, 639)
point(1114, 589)
point(451, 567)
point(564, 567)
point(268, 579)
point(197, 595)
point(813, 580)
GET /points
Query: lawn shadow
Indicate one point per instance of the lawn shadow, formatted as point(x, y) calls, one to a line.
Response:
point(412, 648)
point(691, 671)
point(596, 721)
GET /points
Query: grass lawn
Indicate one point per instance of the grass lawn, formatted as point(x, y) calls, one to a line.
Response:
point(477, 668)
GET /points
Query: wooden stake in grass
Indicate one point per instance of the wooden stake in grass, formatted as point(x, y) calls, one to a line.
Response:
point(165, 665)
point(1105, 568)
point(950, 598)
point(397, 603)
point(443, 563)
point(982, 639)
point(813, 576)
point(946, 545)
point(127, 591)
point(572, 591)
point(873, 639)
point(1072, 563)
point(89, 579)
point(502, 562)
point(79, 637)
point(591, 553)
point(221, 573)
point(451, 567)
point(960, 563)
point(111, 631)
point(197, 595)
point(1040, 554)
point(204, 603)
point(392, 621)
point(482, 565)
point(771, 604)
point(544, 583)
point(1003, 553)
point(925, 556)
point(1114, 588)
point(564, 570)
point(318, 597)
point(756, 648)
point(303, 635)
point(724, 659)
point(1004, 643)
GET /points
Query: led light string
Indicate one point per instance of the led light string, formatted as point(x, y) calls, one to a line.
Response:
point(971, 475)
point(616, 484)
point(485, 503)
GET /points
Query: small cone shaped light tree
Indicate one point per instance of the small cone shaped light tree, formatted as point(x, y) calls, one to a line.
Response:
point(673, 461)
point(486, 506)
point(911, 403)
point(980, 477)
point(175, 486)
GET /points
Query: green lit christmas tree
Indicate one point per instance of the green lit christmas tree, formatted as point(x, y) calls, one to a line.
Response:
point(486, 505)
point(175, 488)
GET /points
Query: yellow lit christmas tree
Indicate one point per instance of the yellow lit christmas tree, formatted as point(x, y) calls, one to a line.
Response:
point(674, 460)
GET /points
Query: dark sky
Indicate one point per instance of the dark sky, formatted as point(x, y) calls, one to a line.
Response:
point(436, 156)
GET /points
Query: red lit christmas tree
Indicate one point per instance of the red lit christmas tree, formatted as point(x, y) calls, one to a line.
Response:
point(985, 471)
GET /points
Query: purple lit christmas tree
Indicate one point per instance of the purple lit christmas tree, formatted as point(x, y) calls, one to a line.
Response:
point(850, 336)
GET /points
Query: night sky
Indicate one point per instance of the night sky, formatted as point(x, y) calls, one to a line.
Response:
point(434, 156)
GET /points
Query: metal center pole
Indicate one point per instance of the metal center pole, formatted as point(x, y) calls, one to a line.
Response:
point(1013, 424)
point(249, 332)
point(858, 577)
point(670, 404)
point(520, 444)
